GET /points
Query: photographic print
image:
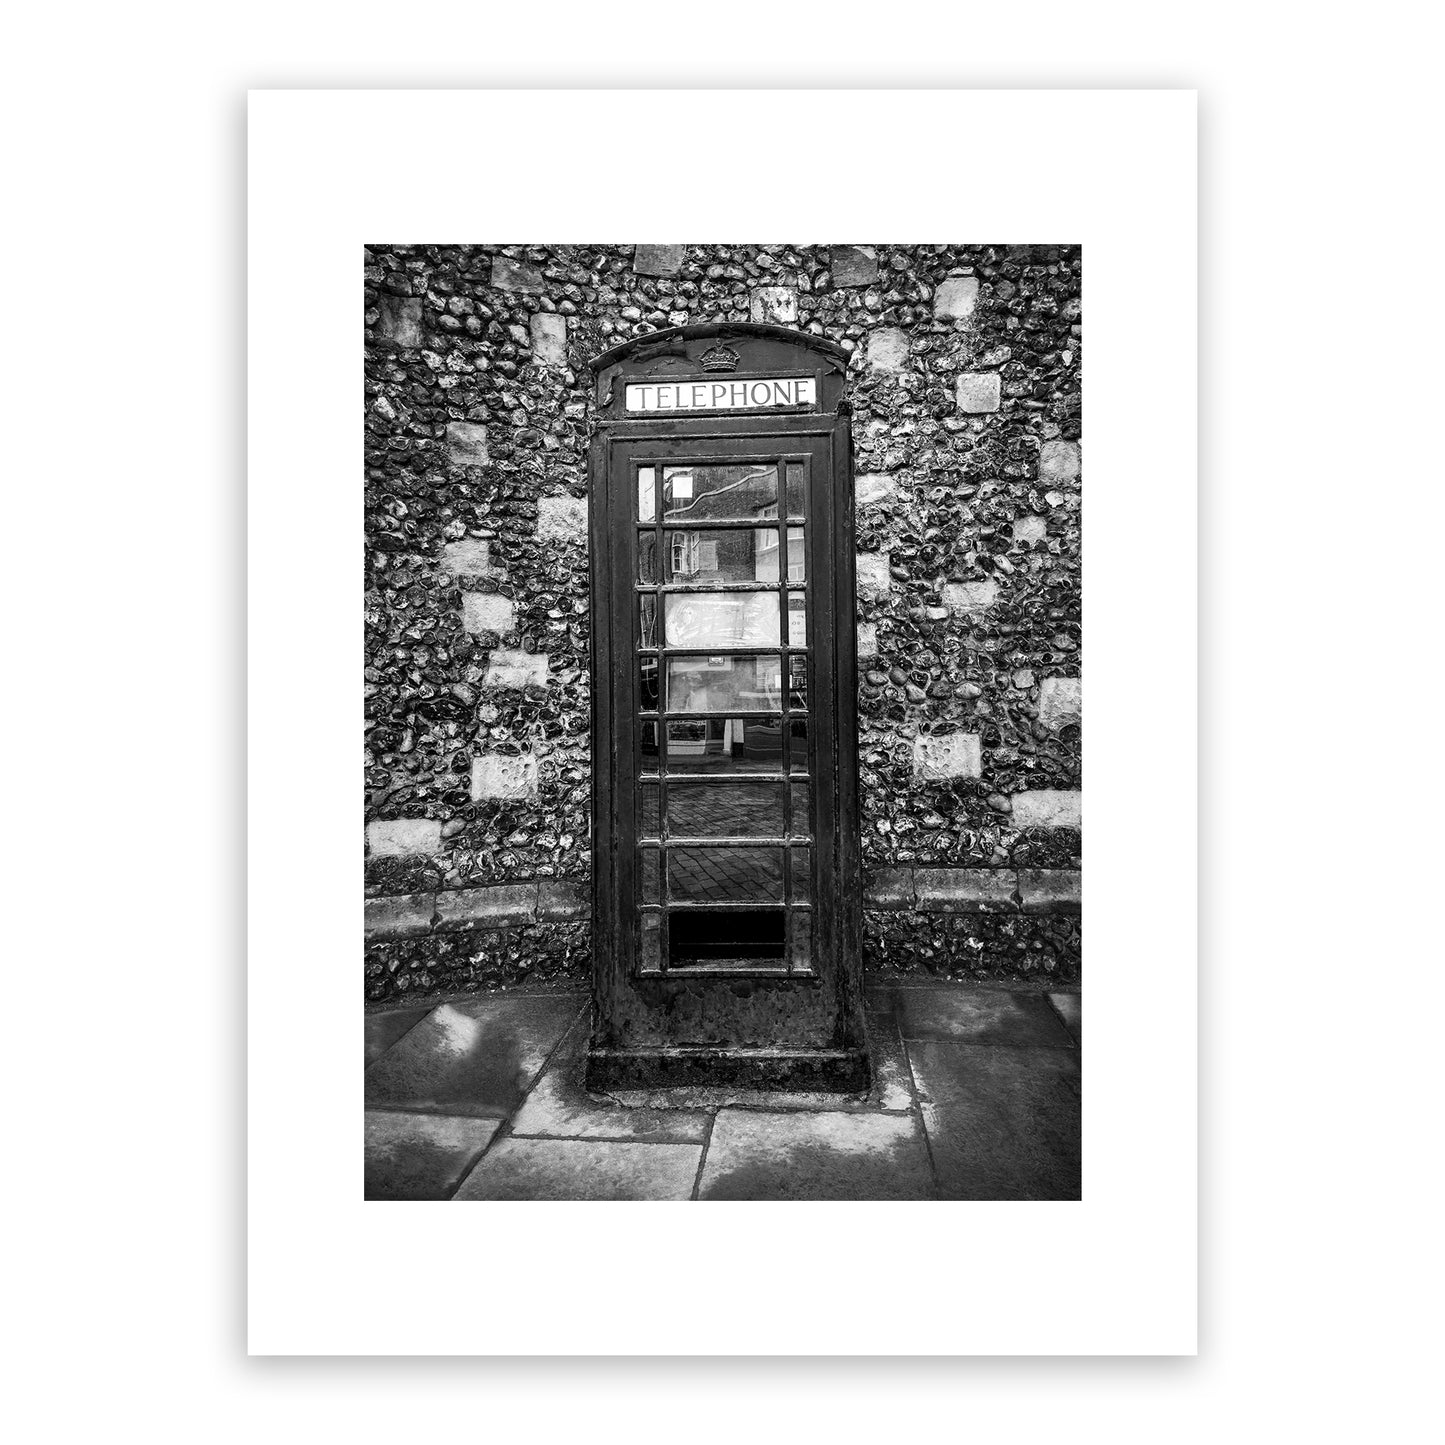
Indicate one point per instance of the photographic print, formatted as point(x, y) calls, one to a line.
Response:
point(722, 689)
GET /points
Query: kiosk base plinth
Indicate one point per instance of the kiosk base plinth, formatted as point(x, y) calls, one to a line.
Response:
point(832, 1071)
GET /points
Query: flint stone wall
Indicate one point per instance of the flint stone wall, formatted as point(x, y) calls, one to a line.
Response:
point(477, 416)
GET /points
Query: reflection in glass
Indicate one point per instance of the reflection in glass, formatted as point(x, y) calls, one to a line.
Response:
point(725, 875)
point(725, 746)
point(649, 952)
point(648, 812)
point(798, 744)
point(802, 861)
point(733, 939)
point(646, 494)
point(732, 493)
point(647, 620)
point(647, 681)
point(725, 810)
point(650, 861)
point(800, 945)
point(802, 817)
point(647, 556)
point(797, 558)
point(721, 554)
point(722, 619)
point(724, 684)
point(795, 490)
point(797, 620)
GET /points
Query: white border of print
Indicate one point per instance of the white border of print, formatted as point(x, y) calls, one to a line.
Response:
point(1113, 1274)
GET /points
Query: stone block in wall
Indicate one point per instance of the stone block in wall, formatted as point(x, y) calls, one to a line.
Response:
point(549, 339)
point(1048, 808)
point(488, 612)
point(890, 888)
point(400, 321)
point(1058, 461)
point(854, 265)
point(1051, 890)
point(978, 391)
point(505, 776)
point(955, 298)
point(466, 443)
point(503, 905)
point(887, 349)
point(509, 668)
point(560, 899)
point(403, 915)
point(965, 890)
point(776, 305)
point(873, 574)
point(1060, 701)
point(970, 596)
point(873, 487)
point(867, 639)
point(658, 260)
point(1030, 530)
point(509, 275)
point(562, 519)
point(939, 756)
point(471, 557)
point(397, 837)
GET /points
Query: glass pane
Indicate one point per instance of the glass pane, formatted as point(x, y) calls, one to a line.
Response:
point(648, 747)
point(647, 620)
point(798, 744)
point(802, 874)
point(647, 557)
point(802, 817)
point(649, 952)
point(797, 620)
point(725, 684)
point(722, 619)
point(720, 494)
point(725, 745)
point(797, 561)
point(725, 875)
point(725, 810)
point(798, 684)
point(795, 490)
point(722, 554)
point(646, 494)
point(647, 819)
point(647, 680)
point(649, 866)
point(730, 939)
point(800, 946)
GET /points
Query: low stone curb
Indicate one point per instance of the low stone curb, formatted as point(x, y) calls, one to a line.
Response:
point(922, 890)
point(464, 910)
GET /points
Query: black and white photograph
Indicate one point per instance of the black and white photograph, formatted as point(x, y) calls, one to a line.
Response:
point(723, 721)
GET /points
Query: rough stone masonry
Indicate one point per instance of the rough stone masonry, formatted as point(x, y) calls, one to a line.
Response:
point(965, 392)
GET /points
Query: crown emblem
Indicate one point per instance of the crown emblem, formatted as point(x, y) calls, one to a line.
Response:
point(720, 358)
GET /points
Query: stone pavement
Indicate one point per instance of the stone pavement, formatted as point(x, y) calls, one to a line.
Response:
point(975, 1096)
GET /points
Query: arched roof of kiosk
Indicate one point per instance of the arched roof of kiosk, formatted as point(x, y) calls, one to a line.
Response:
point(674, 339)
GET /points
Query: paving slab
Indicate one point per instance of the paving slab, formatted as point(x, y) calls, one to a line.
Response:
point(478, 1056)
point(1070, 1009)
point(384, 1029)
point(755, 1155)
point(976, 1016)
point(583, 1169)
point(421, 1156)
point(1003, 1123)
point(559, 1106)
